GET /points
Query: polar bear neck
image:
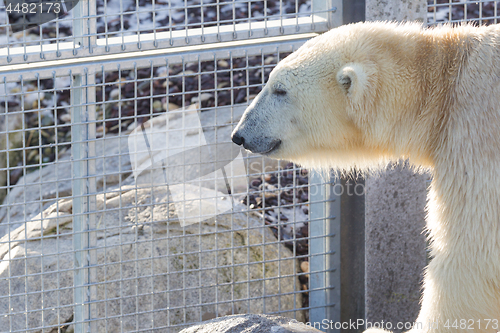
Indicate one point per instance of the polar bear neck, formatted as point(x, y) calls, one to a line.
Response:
point(442, 105)
point(420, 89)
point(465, 194)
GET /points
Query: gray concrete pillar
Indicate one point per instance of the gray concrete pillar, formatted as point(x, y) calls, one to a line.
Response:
point(395, 254)
point(396, 10)
point(394, 215)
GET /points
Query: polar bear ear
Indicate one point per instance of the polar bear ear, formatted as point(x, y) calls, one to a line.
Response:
point(354, 79)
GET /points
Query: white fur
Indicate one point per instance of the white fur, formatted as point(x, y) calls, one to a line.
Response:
point(432, 96)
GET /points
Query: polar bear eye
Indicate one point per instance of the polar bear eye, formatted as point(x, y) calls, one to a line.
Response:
point(280, 91)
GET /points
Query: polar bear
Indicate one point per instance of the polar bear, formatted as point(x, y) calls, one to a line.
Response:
point(368, 93)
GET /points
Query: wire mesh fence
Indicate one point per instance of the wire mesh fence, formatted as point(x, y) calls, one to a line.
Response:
point(456, 11)
point(124, 205)
point(113, 26)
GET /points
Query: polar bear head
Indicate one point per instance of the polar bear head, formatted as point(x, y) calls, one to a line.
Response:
point(339, 100)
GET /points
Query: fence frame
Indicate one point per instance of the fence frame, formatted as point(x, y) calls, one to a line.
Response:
point(326, 15)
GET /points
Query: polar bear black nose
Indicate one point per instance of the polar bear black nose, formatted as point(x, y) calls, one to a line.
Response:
point(238, 139)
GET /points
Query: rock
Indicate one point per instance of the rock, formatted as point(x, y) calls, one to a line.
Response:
point(157, 106)
point(114, 94)
point(146, 263)
point(201, 98)
point(251, 323)
point(223, 63)
point(65, 117)
point(304, 266)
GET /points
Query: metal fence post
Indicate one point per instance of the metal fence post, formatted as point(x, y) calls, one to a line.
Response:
point(80, 240)
point(352, 256)
point(324, 224)
point(333, 245)
point(330, 10)
point(83, 149)
point(83, 131)
point(337, 265)
point(83, 134)
point(324, 251)
point(352, 215)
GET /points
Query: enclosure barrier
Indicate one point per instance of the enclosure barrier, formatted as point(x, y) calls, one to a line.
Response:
point(125, 206)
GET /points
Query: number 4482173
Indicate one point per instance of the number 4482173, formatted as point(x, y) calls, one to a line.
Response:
point(33, 8)
point(472, 324)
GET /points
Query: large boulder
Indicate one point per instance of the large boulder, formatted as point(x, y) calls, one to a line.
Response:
point(251, 323)
point(148, 270)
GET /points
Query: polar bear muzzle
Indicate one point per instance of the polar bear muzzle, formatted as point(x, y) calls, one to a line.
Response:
point(257, 145)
